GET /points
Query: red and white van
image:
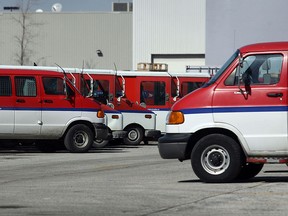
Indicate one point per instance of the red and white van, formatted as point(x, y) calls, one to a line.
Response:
point(158, 91)
point(44, 107)
point(138, 122)
point(97, 90)
point(237, 121)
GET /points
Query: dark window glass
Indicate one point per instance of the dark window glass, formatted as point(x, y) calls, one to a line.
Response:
point(5, 86)
point(152, 93)
point(53, 86)
point(25, 86)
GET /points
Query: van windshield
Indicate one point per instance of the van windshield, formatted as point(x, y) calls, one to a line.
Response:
point(222, 69)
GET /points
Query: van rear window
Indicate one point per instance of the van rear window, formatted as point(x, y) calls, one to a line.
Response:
point(5, 86)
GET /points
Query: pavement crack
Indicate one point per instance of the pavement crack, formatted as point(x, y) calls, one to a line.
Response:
point(202, 199)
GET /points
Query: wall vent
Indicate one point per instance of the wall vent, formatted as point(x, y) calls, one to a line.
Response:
point(122, 7)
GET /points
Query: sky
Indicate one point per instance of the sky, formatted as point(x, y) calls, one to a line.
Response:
point(67, 5)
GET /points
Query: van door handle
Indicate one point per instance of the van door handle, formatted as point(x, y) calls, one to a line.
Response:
point(275, 94)
point(20, 101)
point(48, 101)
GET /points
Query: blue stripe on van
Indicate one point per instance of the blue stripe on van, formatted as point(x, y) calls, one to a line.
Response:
point(159, 109)
point(49, 109)
point(236, 109)
point(136, 111)
point(112, 111)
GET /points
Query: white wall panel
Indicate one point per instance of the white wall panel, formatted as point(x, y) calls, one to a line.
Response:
point(167, 27)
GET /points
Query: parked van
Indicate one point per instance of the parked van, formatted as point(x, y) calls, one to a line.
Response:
point(44, 107)
point(95, 90)
point(236, 122)
point(138, 122)
point(159, 90)
point(114, 121)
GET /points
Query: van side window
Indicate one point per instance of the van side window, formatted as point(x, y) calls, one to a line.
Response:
point(100, 90)
point(25, 86)
point(152, 92)
point(260, 69)
point(5, 86)
point(187, 87)
point(53, 86)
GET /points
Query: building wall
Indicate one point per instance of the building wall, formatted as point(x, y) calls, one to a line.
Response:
point(170, 28)
point(68, 39)
point(231, 24)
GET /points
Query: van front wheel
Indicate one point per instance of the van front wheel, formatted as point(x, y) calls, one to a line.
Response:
point(78, 139)
point(216, 158)
point(134, 136)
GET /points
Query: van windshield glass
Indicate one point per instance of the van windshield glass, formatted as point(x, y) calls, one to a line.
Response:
point(222, 69)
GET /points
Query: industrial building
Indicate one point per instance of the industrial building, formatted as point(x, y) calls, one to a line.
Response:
point(177, 33)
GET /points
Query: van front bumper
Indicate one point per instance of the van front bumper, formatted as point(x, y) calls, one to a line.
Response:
point(102, 132)
point(173, 145)
point(119, 134)
point(152, 134)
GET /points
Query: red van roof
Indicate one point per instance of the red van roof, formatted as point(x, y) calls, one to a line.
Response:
point(268, 46)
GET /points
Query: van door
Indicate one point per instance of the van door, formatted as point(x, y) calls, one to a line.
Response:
point(154, 94)
point(58, 108)
point(7, 103)
point(259, 110)
point(27, 106)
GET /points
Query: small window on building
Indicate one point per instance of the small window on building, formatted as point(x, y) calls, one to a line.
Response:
point(5, 86)
point(152, 92)
point(25, 86)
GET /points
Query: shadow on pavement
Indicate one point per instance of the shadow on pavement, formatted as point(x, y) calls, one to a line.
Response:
point(267, 179)
point(112, 148)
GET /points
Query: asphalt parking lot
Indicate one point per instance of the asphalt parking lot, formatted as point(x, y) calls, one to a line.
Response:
point(128, 180)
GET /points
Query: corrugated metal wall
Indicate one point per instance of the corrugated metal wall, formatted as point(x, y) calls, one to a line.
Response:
point(68, 39)
point(168, 27)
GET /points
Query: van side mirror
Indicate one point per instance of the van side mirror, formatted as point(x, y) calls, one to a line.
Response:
point(246, 78)
point(240, 60)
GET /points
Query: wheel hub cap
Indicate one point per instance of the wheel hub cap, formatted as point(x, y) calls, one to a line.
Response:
point(215, 160)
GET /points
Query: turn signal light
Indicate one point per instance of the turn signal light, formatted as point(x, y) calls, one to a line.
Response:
point(175, 117)
point(148, 116)
point(115, 117)
point(100, 114)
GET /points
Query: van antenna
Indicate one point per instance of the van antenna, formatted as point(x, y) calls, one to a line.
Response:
point(64, 81)
point(61, 69)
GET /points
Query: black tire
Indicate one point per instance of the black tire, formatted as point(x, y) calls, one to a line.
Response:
point(134, 136)
point(79, 139)
point(100, 143)
point(216, 158)
point(249, 170)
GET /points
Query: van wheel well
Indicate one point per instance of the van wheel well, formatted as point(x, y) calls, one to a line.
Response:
point(88, 124)
point(201, 133)
point(133, 126)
